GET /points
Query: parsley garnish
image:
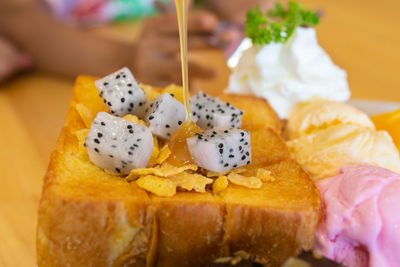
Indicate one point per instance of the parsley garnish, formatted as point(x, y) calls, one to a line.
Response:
point(278, 24)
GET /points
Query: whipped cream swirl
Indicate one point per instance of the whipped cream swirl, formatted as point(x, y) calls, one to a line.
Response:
point(288, 73)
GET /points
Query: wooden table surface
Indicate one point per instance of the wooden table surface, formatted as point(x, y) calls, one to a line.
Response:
point(360, 35)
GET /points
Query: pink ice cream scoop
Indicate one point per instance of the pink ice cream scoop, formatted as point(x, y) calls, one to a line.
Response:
point(361, 217)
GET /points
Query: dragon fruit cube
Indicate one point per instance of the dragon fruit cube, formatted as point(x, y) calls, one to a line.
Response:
point(212, 112)
point(122, 94)
point(118, 145)
point(221, 149)
point(164, 115)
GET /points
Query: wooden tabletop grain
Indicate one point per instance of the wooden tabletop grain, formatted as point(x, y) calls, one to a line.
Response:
point(362, 36)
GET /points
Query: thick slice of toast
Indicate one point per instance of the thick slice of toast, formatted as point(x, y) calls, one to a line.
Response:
point(90, 218)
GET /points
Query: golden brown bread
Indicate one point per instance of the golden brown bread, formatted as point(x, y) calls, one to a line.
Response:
point(90, 218)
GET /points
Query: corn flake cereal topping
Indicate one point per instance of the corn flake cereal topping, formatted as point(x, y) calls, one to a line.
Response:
point(249, 182)
point(264, 175)
point(164, 170)
point(85, 114)
point(237, 257)
point(191, 181)
point(220, 184)
point(164, 154)
point(150, 92)
point(175, 90)
point(81, 136)
point(161, 187)
point(154, 156)
point(216, 174)
point(134, 119)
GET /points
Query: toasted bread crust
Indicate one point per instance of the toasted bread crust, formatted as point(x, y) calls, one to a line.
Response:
point(90, 218)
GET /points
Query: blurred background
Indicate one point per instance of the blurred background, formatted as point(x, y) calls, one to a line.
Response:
point(45, 44)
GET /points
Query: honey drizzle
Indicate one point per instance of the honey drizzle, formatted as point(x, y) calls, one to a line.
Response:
point(179, 151)
point(182, 13)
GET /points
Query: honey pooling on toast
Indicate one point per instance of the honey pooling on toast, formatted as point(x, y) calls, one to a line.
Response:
point(179, 150)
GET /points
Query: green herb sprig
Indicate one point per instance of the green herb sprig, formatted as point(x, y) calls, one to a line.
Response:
point(278, 24)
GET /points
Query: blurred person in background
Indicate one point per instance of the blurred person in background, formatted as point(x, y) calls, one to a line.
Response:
point(54, 36)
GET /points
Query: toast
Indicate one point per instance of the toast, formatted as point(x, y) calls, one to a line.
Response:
point(90, 218)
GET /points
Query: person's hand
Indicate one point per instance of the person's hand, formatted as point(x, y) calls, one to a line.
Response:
point(11, 59)
point(157, 58)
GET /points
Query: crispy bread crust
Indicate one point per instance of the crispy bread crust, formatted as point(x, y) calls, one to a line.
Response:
point(90, 218)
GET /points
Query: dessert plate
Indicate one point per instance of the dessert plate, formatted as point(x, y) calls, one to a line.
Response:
point(371, 107)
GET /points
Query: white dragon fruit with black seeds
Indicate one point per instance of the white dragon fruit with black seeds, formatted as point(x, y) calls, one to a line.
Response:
point(122, 94)
point(118, 145)
point(212, 112)
point(164, 115)
point(220, 150)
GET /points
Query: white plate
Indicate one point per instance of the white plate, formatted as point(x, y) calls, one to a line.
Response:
point(374, 107)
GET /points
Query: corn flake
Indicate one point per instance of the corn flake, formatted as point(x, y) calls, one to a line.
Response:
point(155, 154)
point(134, 119)
point(85, 114)
point(164, 170)
point(191, 181)
point(220, 184)
point(237, 257)
point(249, 182)
point(164, 154)
point(264, 175)
point(81, 136)
point(176, 90)
point(150, 91)
point(216, 174)
point(161, 187)
point(239, 170)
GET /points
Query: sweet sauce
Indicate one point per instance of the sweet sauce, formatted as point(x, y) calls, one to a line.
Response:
point(179, 152)
point(182, 13)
